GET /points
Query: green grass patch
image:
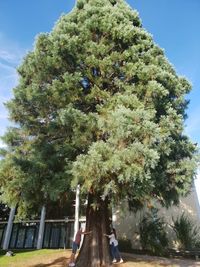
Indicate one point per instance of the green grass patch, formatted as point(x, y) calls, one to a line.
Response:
point(24, 258)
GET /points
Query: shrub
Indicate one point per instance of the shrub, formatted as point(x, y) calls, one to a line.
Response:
point(152, 234)
point(186, 232)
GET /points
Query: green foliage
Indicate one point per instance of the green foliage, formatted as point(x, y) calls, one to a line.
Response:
point(4, 212)
point(80, 4)
point(31, 174)
point(187, 232)
point(152, 234)
point(97, 104)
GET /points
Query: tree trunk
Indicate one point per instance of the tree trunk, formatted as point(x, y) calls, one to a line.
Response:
point(95, 248)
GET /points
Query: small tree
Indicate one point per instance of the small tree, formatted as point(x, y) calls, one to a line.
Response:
point(99, 105)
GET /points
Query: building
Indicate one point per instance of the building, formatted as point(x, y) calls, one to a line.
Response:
point(127, 223)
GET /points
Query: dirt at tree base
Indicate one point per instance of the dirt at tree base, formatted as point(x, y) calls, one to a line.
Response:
point(130, 260)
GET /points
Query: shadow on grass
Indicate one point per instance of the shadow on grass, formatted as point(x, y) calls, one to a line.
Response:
point(62, 261)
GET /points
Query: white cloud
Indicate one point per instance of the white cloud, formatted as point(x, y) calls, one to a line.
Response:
point(2, 144)
point(10, 57)
point(9, 50)
point(4, 114)
point(7, 56)
point(193, 125)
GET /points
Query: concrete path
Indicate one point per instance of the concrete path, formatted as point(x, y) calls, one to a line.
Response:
point(161, 260)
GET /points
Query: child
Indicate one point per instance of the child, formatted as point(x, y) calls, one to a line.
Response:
point(114, 247)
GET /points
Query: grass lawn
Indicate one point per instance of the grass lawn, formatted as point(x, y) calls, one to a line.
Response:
point(36, 258)
point(59, 258)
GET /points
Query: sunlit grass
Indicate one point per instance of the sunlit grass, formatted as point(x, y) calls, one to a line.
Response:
point(34, 258)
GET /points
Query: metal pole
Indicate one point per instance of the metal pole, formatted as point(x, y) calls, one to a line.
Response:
point(41, 228)
point(77, 205)
point(9, 229)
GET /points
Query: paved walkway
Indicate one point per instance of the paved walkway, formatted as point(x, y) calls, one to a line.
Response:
point(163, 261)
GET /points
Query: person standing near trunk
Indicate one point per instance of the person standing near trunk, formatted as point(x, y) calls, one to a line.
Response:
point(76, 245)
point(116, 257)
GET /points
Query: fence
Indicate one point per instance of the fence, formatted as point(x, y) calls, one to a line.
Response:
point(57, 234)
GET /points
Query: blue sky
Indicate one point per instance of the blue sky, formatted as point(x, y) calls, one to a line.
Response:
point(174, 24)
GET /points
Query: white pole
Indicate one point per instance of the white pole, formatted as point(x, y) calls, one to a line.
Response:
point(77, 205)
point(9, 229)
point(114, 217)
point(41, 228)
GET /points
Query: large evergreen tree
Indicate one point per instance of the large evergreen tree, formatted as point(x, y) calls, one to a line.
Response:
point(98, 104)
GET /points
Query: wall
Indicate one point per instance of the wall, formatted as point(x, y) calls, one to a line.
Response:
point(127, 223)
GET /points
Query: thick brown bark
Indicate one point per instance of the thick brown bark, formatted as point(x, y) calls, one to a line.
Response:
point(95, 248)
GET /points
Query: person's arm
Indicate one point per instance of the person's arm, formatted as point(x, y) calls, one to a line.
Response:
point(86, 233)
point(108, 235)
